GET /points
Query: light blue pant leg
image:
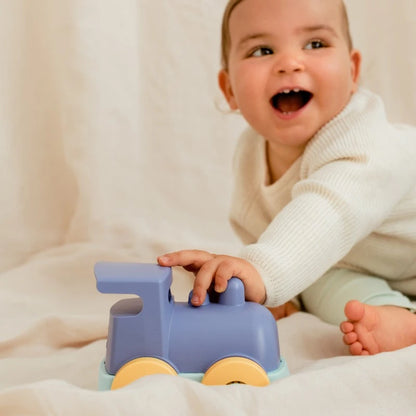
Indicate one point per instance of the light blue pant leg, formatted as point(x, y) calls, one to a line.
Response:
point(327, 297)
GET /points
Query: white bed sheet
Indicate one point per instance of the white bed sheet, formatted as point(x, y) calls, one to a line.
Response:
point(54, 323)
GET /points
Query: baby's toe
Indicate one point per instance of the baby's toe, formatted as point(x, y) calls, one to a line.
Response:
point(350, 338)
point(346, 327)
point(356, 348)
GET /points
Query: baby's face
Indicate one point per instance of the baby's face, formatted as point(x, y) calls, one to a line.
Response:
point(290, 70)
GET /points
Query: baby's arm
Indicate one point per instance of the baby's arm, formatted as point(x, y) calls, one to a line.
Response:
point(218, 269)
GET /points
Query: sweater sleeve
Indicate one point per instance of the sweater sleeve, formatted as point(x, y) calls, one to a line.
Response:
point(353, 174)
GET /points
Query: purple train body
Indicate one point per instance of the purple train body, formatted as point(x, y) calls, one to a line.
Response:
point(188, 339)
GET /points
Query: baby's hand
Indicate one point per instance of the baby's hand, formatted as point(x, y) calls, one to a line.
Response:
point(218, 269)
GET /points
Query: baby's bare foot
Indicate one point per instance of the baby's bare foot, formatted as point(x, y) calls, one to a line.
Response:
point(373, 329)
point(283, 311)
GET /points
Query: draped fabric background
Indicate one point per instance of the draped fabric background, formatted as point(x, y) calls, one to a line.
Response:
point(110, 131)
point(115, 142)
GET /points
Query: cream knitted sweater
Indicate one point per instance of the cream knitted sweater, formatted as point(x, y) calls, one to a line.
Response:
point(349, 201)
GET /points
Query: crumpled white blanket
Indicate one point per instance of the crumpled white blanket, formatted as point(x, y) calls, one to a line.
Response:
point(54, 323)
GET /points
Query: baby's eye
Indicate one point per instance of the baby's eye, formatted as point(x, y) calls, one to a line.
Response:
point(315, 44)
point(262, 51)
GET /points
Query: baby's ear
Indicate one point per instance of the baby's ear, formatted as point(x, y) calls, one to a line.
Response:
point(225, 85)
point(355, 67)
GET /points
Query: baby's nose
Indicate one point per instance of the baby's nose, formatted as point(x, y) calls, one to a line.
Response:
point(289, 62)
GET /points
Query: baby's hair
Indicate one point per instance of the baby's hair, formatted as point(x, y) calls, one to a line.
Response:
point(225, 30)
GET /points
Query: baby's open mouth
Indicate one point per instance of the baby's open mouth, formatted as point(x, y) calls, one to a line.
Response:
point(290, 101)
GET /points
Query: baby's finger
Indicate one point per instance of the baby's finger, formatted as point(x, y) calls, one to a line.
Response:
point(186, 258)
point(203, 280)
point(225, 271)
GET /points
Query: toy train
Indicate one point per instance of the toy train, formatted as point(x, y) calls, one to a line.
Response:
point(226, 340)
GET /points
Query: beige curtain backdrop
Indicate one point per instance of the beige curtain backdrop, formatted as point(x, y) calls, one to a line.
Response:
point(113, 129)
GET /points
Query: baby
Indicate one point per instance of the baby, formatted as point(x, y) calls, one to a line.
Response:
point(325, 189)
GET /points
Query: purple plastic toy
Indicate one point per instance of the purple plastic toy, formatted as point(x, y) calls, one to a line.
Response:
point(226, 340)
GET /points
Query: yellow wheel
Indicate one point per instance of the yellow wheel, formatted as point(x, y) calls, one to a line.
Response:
point(236, 370)
point(138, 368)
